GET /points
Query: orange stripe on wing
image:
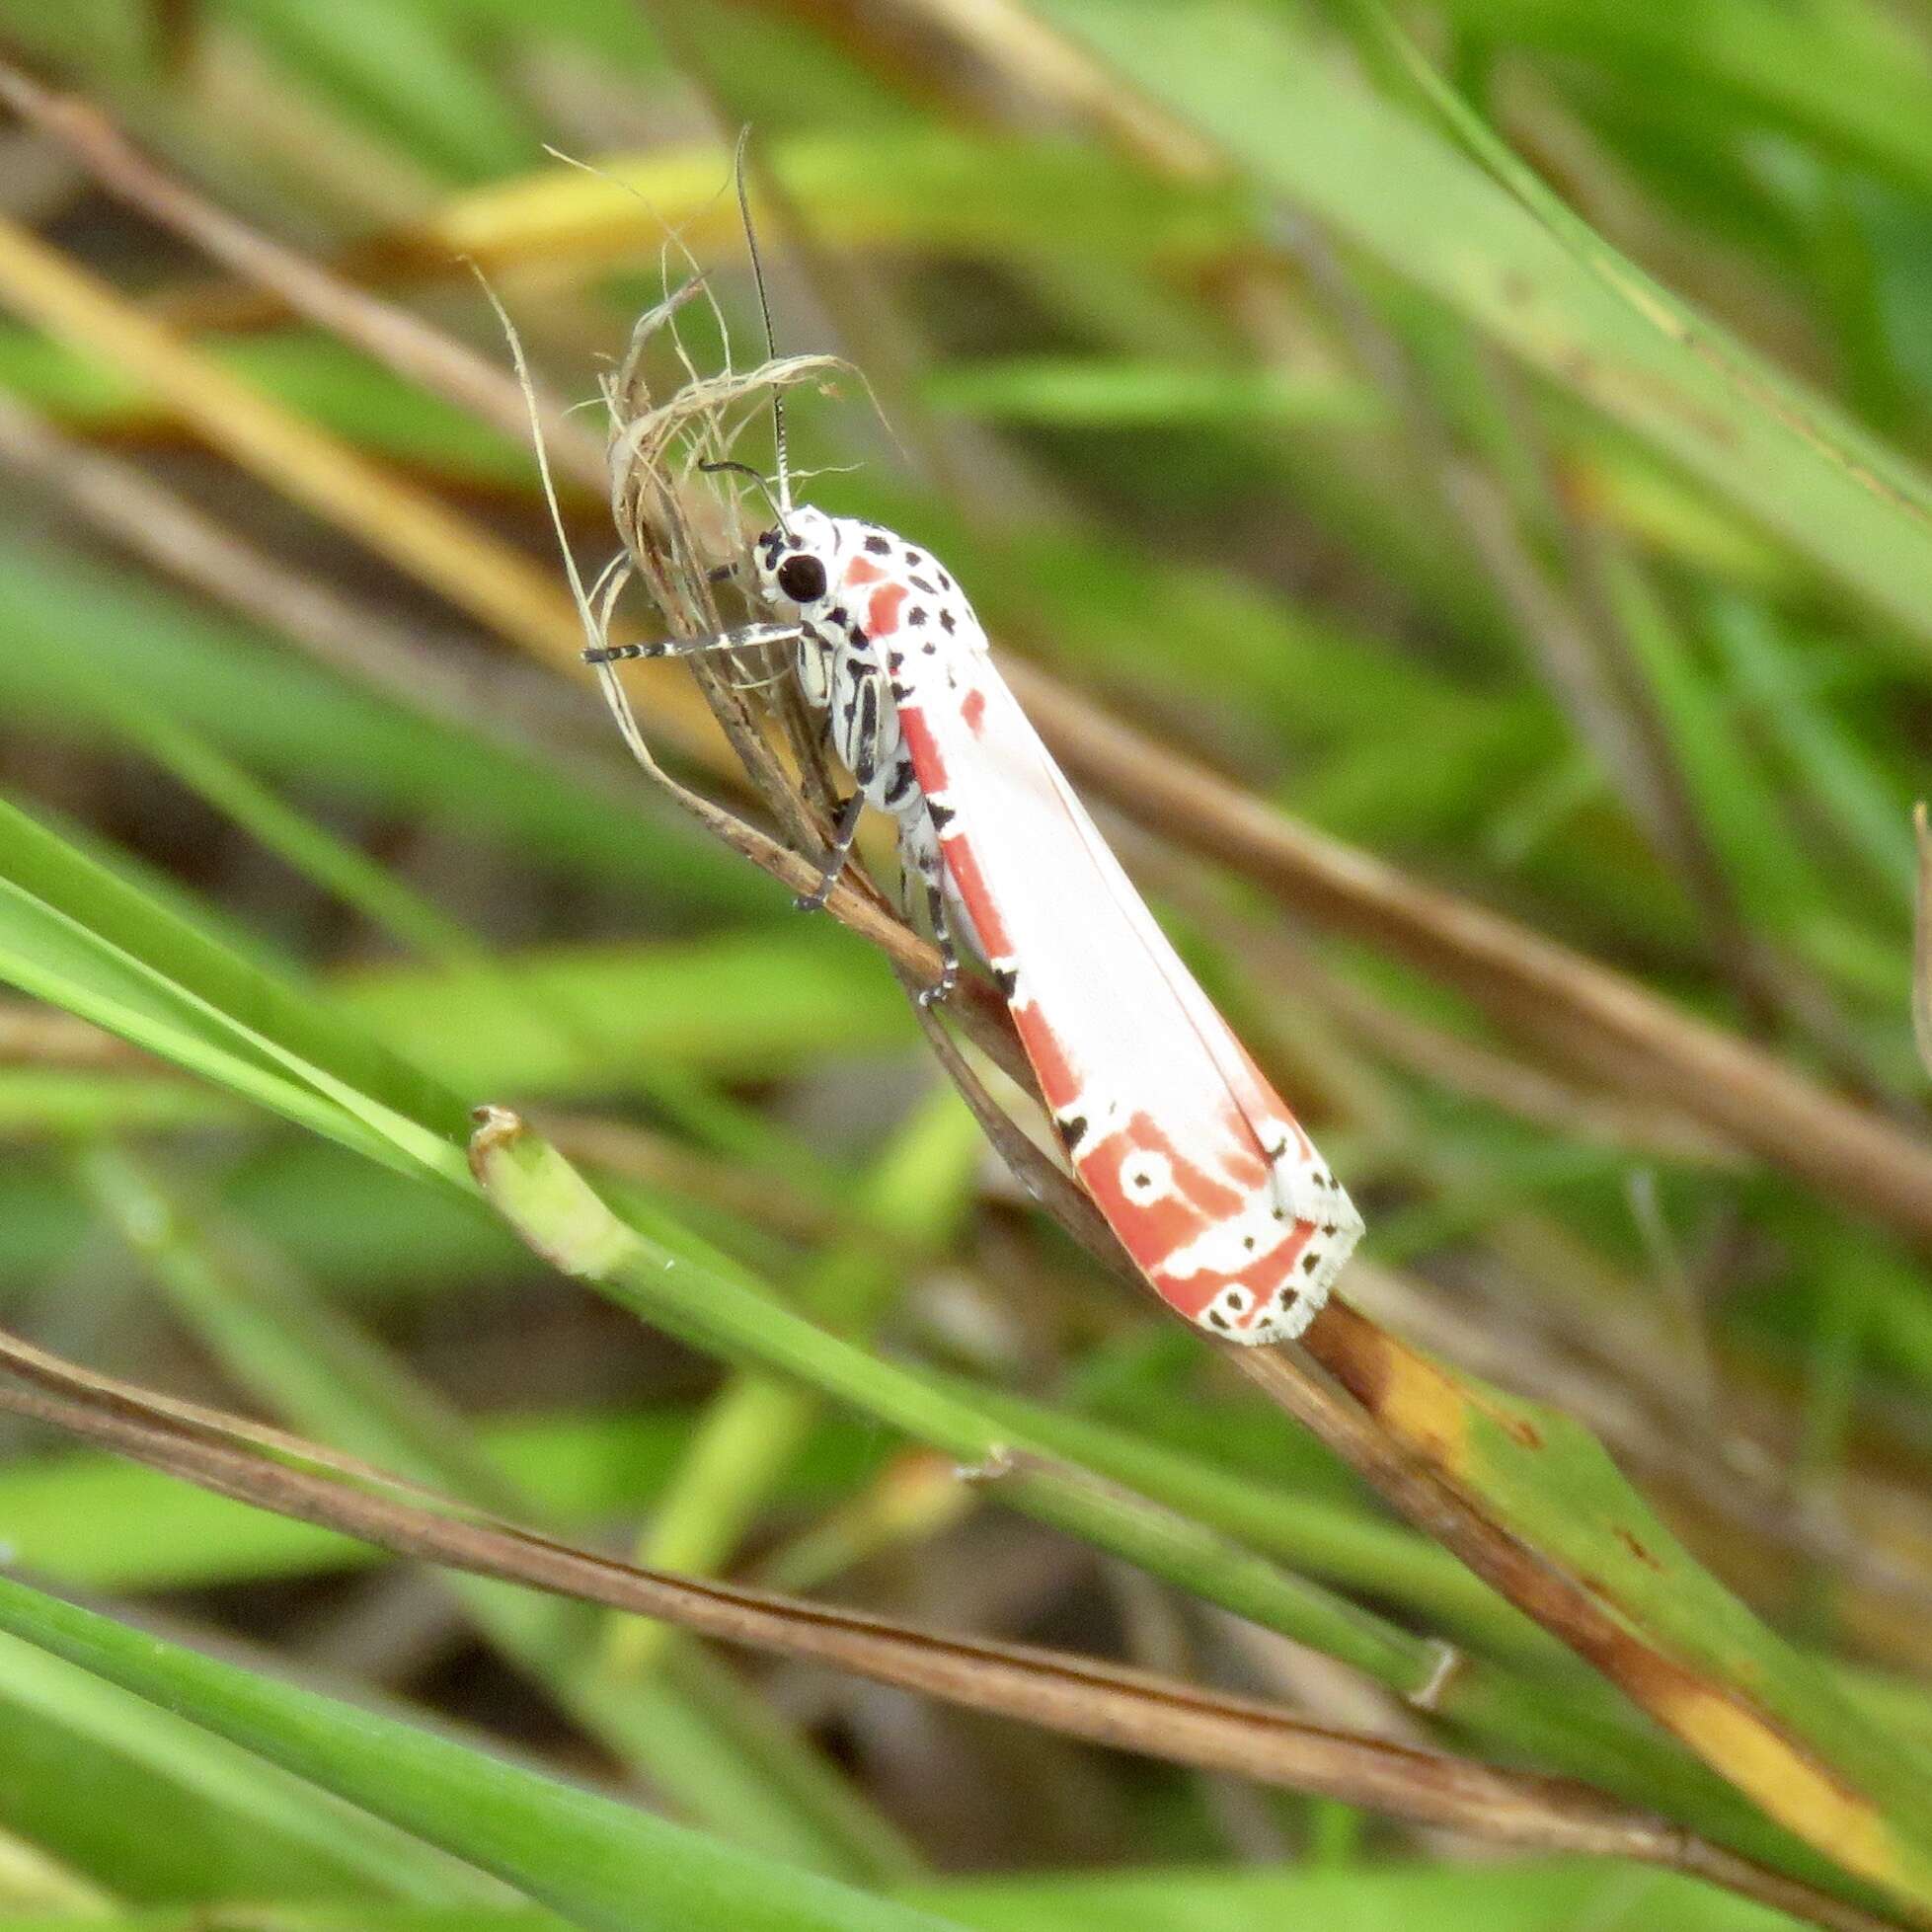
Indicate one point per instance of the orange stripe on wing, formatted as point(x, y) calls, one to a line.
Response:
point(1059, 1081)
point(883, 613)
point(1151, 1231)
point(928, 760)
point(974, 894)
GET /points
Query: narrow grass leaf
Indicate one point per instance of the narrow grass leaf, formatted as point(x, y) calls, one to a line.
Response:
point(81, 937)
point(602, 1865)
point(135, 1770)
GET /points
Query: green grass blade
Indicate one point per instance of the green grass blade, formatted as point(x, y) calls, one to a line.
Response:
point(78, 936)
point(1872, 817)
point(142, 1798)
point(602, 1865)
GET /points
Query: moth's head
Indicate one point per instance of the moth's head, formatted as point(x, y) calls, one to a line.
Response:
point(800, 562)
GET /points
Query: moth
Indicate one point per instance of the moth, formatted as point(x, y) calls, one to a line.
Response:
point(1193, 1158)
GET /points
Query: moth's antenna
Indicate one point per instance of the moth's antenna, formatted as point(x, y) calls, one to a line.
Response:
point(725, 464)
point(771, 341)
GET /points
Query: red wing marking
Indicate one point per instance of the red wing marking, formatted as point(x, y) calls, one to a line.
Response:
point(928, 756)
point(962, 864)
point(883, 613)
point(1059, 1084)
point(1185, 1147)
point(862, 571)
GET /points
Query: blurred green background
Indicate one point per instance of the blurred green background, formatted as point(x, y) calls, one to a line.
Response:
point(1489, 433)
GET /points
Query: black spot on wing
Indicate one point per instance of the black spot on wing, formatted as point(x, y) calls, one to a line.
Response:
point(1073, 1130)
point(941, 815)
point(1008, 982)
point(878, 543)
point(947, 623)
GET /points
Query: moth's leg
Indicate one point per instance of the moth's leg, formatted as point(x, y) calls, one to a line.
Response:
point(844, 832)
point(862, 717)
point(857, 714)
point(743, 637)
point(815, 673)
point(817, 670)
point(920, 861)
point(949, 954)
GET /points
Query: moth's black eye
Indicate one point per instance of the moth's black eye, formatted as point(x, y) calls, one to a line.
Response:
point(802, 578)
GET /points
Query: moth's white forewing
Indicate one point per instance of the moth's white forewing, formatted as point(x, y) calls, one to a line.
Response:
point(1188, 1151)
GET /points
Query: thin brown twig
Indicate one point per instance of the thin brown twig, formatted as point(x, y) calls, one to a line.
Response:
point(1277, 956)
point(40, 1035)
point(657, 451)
point(1042, 1177)
point(1123, 1708)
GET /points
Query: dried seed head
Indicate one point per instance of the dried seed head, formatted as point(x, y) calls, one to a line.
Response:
point(676, 518)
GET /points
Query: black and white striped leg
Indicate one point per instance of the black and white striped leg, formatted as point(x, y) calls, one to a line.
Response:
point(844, 832)
point(922, 866)
point(949, 954)
point(745, 637)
